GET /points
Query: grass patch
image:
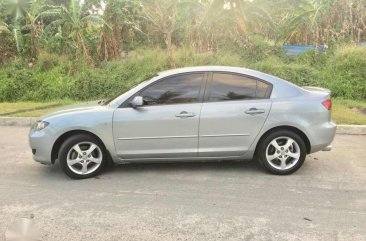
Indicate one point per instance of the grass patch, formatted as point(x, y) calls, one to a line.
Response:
point(349, 112)
point(344, 111)
point(31, 109)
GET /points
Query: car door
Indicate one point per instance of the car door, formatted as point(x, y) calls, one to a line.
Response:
point(166, 126)
point(234, 111)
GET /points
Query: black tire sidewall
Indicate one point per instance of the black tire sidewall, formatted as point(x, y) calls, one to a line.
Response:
point(267, 139)
point(69, 143)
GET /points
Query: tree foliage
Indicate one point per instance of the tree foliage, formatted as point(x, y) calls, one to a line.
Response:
point(103, 30)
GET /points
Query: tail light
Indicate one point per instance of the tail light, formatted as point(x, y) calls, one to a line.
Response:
point(327, 104)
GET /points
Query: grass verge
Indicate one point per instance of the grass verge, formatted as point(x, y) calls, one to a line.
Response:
point(344, 111)
point(349, 112)
point(31, 109)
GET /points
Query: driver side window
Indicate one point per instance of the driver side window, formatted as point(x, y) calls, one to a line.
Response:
point(183, 88)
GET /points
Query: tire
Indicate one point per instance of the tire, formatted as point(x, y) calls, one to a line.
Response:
point(284, 158)
point(82, 156)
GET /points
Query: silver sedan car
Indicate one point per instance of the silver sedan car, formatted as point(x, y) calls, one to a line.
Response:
point(209, 113)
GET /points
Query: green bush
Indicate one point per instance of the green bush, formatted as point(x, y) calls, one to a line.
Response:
point(15, 82)
point(47, 61)
point(345, 73)
point(302, 75)
point(55, 77)
point(259, 49)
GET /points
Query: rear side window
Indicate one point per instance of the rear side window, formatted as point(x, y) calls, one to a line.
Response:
point(263, 90)
point(184, 88)
point(227, 86)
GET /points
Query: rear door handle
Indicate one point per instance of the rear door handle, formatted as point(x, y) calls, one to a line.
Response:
point(254, 111)
point(185, 114)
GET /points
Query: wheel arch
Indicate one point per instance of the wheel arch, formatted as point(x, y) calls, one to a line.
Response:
point(61, 139)
point(286, 127)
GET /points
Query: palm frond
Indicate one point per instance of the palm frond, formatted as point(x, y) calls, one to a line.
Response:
point(4, 27)
point(94, 19)
point(50, 27)
point(75, 9)
point(50, 13)
point(18, 39)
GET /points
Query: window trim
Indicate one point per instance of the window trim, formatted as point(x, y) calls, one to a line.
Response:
point(126, 103)
point(210, 82)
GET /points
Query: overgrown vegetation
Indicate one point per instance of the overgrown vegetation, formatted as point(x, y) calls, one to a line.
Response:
point(82, 50)
point(56, 77)
point(95, 30)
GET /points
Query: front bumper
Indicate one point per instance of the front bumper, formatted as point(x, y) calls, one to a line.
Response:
point(41, 145)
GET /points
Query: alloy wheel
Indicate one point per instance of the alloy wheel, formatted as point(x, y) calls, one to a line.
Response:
point(282, 153)
point(84, 158)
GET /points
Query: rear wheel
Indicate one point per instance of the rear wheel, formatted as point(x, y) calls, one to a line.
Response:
point(282, 152)
point(82, 156)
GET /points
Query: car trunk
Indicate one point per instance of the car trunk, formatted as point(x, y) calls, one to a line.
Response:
point(319, 90)
point(316, 89)
point(323, 95)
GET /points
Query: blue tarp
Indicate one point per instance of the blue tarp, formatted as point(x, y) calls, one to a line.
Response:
point(293, 50)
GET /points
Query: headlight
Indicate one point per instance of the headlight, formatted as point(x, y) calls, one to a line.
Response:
point(40, 125)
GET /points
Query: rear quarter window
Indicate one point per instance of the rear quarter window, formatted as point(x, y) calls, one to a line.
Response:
point(228, 86)
point(263, 90)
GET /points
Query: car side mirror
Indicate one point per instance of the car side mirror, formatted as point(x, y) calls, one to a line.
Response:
point(137, 101)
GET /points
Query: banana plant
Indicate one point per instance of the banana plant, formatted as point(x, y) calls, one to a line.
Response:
point(73, 22)
point(16, 11)
point(304, 21)
point(122, 17)
point(3, 27)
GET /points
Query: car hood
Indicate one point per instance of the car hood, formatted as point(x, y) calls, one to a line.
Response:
point(72, 109)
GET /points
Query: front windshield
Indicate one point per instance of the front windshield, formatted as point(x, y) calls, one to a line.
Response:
point(107, 101)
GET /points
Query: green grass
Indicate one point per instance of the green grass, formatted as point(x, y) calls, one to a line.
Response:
point(343, 112)
point(31, 109)
point(349, 111)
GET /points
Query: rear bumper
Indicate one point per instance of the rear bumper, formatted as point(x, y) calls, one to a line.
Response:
point(327, 148)
point(322, 136)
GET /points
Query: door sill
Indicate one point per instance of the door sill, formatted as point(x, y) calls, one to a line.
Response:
point(179, 159)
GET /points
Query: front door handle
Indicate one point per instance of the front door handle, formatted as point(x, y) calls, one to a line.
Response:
point(254, 111)
point(185, 114)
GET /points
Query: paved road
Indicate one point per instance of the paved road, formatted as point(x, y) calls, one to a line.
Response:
point(324, 200)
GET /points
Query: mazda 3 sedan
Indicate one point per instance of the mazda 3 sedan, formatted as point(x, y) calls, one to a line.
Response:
point(209, 113)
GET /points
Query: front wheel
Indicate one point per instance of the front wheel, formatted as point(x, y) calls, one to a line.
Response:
point(282, 152)
point(82, 156)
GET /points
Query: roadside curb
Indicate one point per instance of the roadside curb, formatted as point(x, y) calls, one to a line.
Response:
point(351, 129)
point(17, 121)
point(28, 121)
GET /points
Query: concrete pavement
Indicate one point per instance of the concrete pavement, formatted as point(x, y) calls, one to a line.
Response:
point(324, 200)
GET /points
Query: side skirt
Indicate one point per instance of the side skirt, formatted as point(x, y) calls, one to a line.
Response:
point(185, 159)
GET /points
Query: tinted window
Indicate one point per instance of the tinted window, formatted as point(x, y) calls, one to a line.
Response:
point(263, 90)
point(231, 87)
point(178, 89)
point(236, 87)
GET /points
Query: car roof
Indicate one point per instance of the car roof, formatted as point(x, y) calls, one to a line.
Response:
point(215, 68)
point(281, 88)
